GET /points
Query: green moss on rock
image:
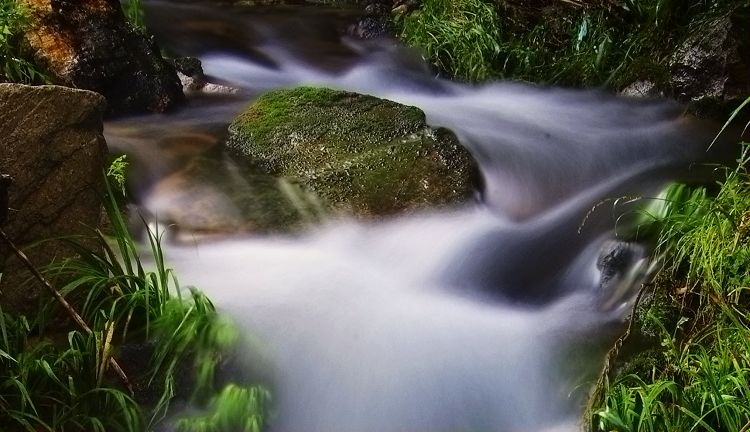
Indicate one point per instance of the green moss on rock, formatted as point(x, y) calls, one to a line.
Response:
point(358, 153)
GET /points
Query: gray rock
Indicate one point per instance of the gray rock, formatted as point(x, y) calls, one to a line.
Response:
point(51, 143)
point(359, 154)
point(711, 66)
point(641, 89)
point(212, 196)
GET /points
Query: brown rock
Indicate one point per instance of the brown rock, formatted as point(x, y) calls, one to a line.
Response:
point(51, 143)
point(88, 44)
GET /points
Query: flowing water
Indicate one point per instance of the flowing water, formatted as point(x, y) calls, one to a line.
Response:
point(492, 316)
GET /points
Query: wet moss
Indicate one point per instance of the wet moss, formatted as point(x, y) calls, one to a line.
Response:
point(358, 153)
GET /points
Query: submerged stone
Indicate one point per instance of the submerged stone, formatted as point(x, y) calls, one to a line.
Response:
point(359, 154)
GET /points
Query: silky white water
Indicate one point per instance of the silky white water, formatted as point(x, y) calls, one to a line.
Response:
point(492, 316)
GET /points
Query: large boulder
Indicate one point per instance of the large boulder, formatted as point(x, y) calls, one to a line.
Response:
point(88, 44)
point(51, 144)
point(359, 154)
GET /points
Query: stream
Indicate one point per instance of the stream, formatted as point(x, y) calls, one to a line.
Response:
point(491, 316)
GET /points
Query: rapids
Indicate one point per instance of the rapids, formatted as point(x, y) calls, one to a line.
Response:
point(489, 317)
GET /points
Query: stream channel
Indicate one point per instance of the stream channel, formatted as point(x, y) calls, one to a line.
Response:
point(491, 316)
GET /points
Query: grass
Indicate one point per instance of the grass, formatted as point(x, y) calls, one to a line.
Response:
point(591, 44)
point(459, 36)
point(16, 60)
point(135, 14)
point(700, 377)
point(53, 381)
point(48, 386)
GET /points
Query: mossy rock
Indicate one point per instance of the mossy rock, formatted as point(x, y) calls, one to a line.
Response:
point(359, 154)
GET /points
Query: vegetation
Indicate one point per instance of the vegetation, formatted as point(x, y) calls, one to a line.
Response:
point(52, 381)
point(459, 36)
point(569, 42)
point(699, 377)
point(134, 13)
point(16, 61)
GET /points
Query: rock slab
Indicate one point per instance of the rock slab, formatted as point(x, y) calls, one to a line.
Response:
point(51, 144)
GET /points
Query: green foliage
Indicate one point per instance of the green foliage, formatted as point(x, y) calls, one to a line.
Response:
point(134, 13)
point(55, 386)
point(704, 386)
point(704, 379)
point(47, 385)
point(460, 36)
point(706, 238)
point(571, 43)
point(116, 173)
point(235, 409)
point(16, 62)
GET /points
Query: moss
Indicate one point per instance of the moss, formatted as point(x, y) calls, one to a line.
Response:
point(303, 116)
point(358, 153)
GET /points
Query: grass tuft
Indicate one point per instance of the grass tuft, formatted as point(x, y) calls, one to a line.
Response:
point(459, 36)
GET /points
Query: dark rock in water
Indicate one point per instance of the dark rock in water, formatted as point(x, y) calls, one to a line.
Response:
point(192, 78)
point(88, 44)
point(51, 143)
point(189, 66)
point(361, 155)
point(375, 23)
point(615, 259)
point(712, 67)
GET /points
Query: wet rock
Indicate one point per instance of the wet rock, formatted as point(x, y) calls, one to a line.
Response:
point(189, 66)
point(712, 67)
point(88, 44)
point(615, 258)
point(51, 143)
point(376, 21)
point(641, 89)
point(192, 78)
point(359, 154)
point(212, 196)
